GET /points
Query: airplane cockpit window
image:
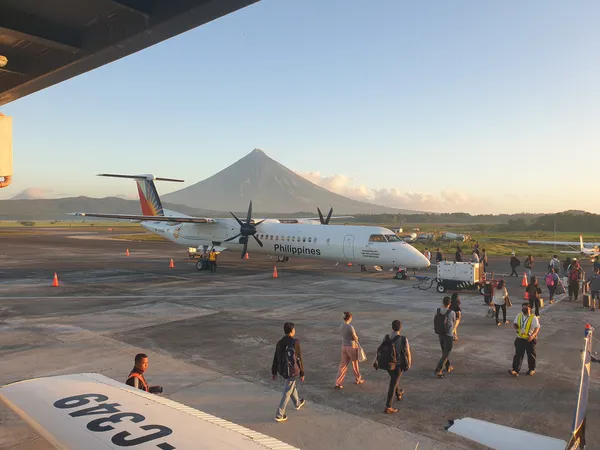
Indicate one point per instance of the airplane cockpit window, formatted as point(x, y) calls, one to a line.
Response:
point(377, 238)
point(393, 238)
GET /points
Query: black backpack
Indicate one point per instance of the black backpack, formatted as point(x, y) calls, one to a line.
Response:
point(289, 367)
point(440, 323)
point(386, 353)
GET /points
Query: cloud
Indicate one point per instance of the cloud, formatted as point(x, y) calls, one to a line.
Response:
point(445, 201)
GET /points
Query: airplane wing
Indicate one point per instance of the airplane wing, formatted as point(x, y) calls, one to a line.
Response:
point(499, 437)
point(570, 244)
point(141, 218)
point(91, 411)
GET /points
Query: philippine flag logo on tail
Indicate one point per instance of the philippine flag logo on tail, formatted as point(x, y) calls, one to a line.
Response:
point(149, 200)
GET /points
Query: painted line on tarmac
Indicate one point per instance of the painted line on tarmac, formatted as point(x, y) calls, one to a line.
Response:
point(165, 297)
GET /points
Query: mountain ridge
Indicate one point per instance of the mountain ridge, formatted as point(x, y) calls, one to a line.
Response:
point(272, 187)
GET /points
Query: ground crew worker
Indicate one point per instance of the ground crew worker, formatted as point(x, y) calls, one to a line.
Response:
point(528, 328)
point(136, 376)
point(212, 259)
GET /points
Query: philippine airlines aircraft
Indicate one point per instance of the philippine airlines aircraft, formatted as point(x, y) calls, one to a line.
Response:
point(278, 237)
point(589, 249)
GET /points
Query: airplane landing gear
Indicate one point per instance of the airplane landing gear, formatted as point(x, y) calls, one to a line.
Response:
point(283, 258)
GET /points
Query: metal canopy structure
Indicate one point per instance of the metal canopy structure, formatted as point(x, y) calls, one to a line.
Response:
point(49, 41)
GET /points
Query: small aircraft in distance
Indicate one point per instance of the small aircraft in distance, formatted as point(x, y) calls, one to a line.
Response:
point(368, 245)
point(589, 249)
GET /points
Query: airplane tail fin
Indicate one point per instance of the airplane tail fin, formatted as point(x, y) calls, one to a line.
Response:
point(149, 198)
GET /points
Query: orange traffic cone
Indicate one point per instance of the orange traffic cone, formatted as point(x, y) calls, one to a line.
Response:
point(349, 264)
point(247, 256)
point(526, 296)
point(275, 272)
point(127, 252)
point(524, 283)
point(171, 264)
point(55, 281)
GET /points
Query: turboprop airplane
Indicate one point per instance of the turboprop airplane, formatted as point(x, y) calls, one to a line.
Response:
point(500, 437)
point(368, 245)
point(93, 412)
point(589, 249)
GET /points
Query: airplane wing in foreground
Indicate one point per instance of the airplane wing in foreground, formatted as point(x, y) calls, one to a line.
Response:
point(141, 218)
point(499, 437)
point(91, 411)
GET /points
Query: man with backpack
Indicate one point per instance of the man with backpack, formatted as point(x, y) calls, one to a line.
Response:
point(394, 356)
point(443, 325)
point(287, 362)
point(552, 283)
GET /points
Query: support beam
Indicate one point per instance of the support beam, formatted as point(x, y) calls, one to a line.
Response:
point(31, 28)
point(142, 7)
point(12, 72)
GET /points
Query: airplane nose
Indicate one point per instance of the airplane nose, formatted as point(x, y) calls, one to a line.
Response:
point(418, 260)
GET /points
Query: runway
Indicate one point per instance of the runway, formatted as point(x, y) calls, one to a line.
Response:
point(210, 339)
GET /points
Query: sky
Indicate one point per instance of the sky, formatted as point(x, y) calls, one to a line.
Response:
point(471, 106)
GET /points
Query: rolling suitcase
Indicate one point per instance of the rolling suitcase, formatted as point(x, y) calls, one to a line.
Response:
point(586, 300)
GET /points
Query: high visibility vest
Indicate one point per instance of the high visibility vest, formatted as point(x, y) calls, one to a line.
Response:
point(213, 256)
point(139, 377)
point(524, 327)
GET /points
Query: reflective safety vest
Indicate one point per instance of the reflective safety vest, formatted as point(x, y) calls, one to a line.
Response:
point(141, 378)
point(212, 256)
point(524, 325)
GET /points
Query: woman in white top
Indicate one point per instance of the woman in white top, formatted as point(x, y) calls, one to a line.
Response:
point(499, 300)
point(349, 352)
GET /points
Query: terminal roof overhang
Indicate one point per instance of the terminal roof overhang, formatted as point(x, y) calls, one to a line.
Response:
point(49, 41)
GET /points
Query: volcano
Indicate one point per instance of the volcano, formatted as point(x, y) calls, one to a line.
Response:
point(272, 187)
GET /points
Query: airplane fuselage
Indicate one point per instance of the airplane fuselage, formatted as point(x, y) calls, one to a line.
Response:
point(345, 243)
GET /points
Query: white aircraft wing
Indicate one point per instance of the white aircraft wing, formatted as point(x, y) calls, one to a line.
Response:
point(90, 411)
point(570, 244)
point(500, 437)
point(142, 218)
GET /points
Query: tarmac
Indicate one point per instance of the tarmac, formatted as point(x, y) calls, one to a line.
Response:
point(210, 338)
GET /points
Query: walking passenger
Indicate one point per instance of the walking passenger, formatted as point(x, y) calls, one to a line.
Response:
point(534, 294)
point(287, 362)
point(528, 328)
point(349, 352)
point(514, 263)
point(455, 306)
point(529, 265)
point(575, 275)
point(484, 259)
point(500, 300)
point(594, 286)
point(394, 356)
point(443, 325)
point(552, 282)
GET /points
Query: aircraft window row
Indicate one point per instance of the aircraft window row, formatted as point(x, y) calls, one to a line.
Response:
point(270, 237)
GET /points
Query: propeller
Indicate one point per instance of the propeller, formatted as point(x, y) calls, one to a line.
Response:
point(247, 229)
point(325, 221)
